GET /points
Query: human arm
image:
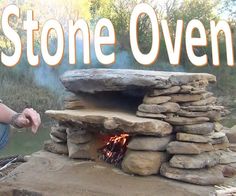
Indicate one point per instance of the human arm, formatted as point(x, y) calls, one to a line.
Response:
point(28, 118)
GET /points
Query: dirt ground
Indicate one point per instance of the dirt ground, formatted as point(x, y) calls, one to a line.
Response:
point(53, 175)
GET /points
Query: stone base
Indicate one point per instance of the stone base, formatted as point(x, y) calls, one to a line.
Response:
point(56, 175)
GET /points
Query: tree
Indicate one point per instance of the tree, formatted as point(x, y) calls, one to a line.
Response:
point(229, 8)
point(203, 10)
point(118, 12)
point(187, 10)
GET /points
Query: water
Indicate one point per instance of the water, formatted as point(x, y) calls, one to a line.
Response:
point(25, 142)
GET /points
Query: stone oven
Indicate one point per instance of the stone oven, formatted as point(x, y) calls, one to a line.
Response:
point(144, 122)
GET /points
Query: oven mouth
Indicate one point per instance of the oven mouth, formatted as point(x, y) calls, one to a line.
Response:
point(114, 149)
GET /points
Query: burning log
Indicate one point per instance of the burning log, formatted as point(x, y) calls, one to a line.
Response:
point(114, 150)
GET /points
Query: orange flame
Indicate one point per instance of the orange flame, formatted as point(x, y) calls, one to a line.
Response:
point(119, 139)
point(114, 150)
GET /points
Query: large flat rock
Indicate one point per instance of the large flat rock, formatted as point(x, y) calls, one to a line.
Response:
point(210, 176)
point(206, 159)
point(54, 175)
point(110, 121)
point(99, 80)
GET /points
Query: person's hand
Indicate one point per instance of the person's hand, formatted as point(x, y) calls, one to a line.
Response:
point(28, 118)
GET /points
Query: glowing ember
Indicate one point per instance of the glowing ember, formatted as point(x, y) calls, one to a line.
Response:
point(114, 150)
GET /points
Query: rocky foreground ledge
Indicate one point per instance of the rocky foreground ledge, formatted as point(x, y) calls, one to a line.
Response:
point(50, 174)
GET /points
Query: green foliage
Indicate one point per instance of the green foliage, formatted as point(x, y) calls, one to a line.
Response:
point(18, 90)
point(229, 8)
point(118, 12)
point(203, 10)
point(187, 10)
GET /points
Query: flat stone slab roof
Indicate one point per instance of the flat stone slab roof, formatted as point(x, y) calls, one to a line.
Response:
point(98, 80)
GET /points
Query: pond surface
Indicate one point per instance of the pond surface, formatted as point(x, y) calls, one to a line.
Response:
point(25, 142)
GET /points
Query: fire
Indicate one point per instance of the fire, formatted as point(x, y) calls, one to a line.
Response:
point(114, 150)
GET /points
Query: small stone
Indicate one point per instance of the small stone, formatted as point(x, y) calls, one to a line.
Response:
point(72, 105)
point(186, 89)
point(212, 115)
point(78, 137)
point(149, 143)
point(228, 171)
point(150, 115)
point(188, 148)
point(208, 101)
point(207, 95)
point(205, 159)
point(71, 97)
point(211, 176)
point(56, 148)
point(59, 134)
point(222, 146)
point(186, 121)
point(214, 138)
point(196, 91)
point(232, 165)
point(201, 84)
point(199, 91)
point(57, 140)
point(156, 100)
point(222, 140)
point(75, 130)
point(79, 151)
point(231, 134)
point(203, 108)
point(181, 98)
point(199, 129)
point(217, 135)
point(143, 163)
point(155, 109)
point(192, 138)
point(171, 107)
point(58, 128)
point(170, 115)
point(227, 157)
point(189, 89)
point(218, 127)
point(232, 147)
point(168, 91)
point(218, 138)
point(225, 112)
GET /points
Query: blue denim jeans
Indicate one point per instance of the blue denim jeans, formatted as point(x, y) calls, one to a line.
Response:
point(4, 135)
